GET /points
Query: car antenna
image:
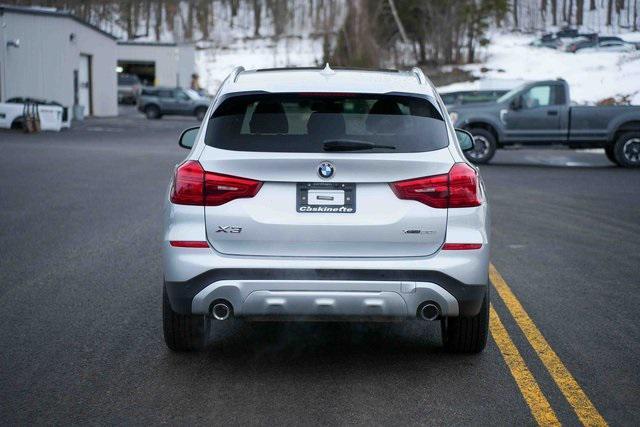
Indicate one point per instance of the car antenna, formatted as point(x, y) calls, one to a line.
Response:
point(327, 70)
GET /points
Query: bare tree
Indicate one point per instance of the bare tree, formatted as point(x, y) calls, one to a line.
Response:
point(394, 12)
point(570, 12)
point(157, 19)
point(579, 12)
point(257, 17)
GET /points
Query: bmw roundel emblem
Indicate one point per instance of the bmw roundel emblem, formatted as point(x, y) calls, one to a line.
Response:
point(325, 170)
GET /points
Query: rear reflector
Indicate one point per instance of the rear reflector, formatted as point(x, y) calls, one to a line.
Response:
point(192, 185)
point(461, 246)
point(188, 244)
point(459, 188)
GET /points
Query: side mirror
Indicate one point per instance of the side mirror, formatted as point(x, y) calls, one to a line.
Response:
point(516, 103)
point(465, 139)
point(188, 138)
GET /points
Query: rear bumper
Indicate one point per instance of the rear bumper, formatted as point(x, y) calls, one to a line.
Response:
point(361, 294)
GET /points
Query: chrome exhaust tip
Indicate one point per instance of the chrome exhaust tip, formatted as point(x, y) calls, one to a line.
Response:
point(430, 311)
point(221, 311)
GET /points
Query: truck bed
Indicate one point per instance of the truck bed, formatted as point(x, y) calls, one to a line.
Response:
point(594, 123)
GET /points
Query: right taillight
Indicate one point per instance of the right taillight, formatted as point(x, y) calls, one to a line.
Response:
point(464, 187)
point(192, 185)
point(459, 188)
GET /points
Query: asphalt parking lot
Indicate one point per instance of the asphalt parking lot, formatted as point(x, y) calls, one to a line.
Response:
point(80, 289)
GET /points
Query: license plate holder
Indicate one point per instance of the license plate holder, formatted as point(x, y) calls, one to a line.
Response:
point(326, 197)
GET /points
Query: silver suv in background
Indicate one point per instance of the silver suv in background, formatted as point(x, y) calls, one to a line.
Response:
point(320, 194)
point(155, 102)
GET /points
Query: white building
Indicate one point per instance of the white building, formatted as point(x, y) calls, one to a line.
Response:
point(48, 54)
point(52, 55)
point(159, 64)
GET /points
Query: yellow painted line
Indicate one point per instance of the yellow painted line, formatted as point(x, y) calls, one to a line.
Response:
point(538, 403)
point(577, 398)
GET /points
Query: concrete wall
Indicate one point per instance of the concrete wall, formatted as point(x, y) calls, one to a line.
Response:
point(174, 64)
point(186, 64)
point(42, 67)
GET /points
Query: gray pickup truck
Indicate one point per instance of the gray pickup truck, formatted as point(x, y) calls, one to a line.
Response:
point(540, 113)
point(155, 102)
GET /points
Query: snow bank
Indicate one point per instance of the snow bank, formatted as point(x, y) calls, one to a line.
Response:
point(592, 76)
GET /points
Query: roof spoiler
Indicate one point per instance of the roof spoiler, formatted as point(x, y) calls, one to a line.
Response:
point(234, 74)
point(422, 79)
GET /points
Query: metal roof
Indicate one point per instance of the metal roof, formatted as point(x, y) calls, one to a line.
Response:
point(147, 43)
point(54, 13)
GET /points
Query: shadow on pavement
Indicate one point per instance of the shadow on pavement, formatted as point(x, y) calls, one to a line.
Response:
point(291, 342)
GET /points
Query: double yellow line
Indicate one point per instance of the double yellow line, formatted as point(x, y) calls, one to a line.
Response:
point(538, 403)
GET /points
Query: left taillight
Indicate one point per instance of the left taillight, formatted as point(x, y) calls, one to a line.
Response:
point(188, 184)
point(192, 185)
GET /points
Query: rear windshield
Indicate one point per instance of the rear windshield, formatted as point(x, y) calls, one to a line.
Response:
point(304, 122)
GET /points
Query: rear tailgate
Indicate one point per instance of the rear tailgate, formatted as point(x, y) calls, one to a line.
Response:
point(381, 225)
point(362, 141)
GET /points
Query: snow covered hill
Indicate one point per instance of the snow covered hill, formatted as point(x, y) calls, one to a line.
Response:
point(592, 76)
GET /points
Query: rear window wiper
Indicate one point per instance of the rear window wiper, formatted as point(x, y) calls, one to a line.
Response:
point(351, 145)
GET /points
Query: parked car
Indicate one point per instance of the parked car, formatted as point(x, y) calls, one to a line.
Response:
point(570, 40)
point(155, 102)
point(603, 46)
point(312, 198)
point(560, 39)
point(541, 113)
point(470, 96)
point(128, 88)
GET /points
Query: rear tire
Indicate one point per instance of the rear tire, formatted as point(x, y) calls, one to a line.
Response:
point(485, 146)
point(467, 334)
point(608, 150)
point(182, 332)
point(627, 150)
point(152, 112)
point(18, 123)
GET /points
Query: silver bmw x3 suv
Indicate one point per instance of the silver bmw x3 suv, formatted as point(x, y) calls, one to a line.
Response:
point(320, 194)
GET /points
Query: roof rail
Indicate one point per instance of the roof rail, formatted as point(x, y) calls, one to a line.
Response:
point(420, 75)
point(234, 74)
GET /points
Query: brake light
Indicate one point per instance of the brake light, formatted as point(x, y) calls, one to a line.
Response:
point(464, 187)
point(188, 184)
point(192, 185)
point(457, 189)
point(220, 189)
point(432, 190)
